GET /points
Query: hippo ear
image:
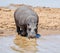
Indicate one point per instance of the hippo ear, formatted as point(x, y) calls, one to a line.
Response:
point(28, 24)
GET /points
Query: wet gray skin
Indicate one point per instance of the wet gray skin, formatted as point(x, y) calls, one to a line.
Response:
point(26, 21)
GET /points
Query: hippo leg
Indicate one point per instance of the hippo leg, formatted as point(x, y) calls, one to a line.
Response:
point(23, 30)
point(18, 30)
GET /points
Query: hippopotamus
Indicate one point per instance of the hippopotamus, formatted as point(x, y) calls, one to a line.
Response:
point(26, 20)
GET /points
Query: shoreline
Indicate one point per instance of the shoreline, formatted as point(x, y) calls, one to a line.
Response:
point(49, 20)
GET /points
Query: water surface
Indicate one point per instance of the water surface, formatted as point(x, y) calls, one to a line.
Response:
point(48, 44)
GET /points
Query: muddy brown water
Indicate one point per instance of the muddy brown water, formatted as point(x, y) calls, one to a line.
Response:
point(16, 44)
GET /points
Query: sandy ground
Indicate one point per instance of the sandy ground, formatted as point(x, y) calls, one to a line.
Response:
point(48, 27)
point(49, 20)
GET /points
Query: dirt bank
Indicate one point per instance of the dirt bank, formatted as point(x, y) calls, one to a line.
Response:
point(49, 20)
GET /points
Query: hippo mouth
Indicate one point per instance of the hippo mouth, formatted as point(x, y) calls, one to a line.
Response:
point(37, 36)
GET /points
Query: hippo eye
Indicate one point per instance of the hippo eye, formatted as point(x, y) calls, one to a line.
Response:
point(29, 29)
point(28, 24)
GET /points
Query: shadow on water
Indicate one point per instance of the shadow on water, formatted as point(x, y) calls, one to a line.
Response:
point(18, 44)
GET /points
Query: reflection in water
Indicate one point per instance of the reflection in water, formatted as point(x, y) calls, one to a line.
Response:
point(18, 44)
point(25, 45)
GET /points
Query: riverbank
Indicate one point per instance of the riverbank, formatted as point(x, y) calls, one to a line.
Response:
point(49, 20)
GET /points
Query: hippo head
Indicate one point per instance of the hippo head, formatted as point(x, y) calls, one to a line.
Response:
point(32, 27)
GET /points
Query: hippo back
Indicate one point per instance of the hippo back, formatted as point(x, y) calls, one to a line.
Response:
point(23, 13)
